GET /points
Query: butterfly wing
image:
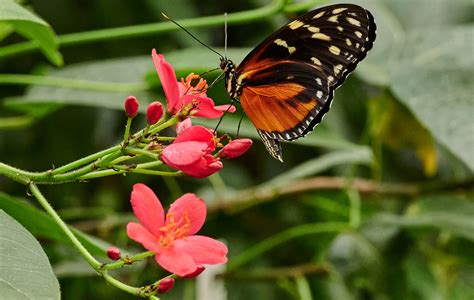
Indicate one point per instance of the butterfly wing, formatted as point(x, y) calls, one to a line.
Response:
point(288, 80)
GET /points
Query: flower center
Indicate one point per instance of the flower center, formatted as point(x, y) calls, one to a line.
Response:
point(199, 87)
point(174, 229)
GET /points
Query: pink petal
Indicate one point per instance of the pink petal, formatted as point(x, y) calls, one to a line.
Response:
point(225, 107)
point(139, 234)
point(177, 155)
point(196, 133)
point(147, 208)
point(206, 108)
point(176, 262)
point(203, 168)
point(183, 125)
point(191, 206)
point(168, 81)
point(203, 249)
point(236, 148)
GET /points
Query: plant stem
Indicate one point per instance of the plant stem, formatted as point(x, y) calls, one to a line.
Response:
point(127, 131)
point(148, 29)
point(128, 260)
point(50, 210)
point(124, 287)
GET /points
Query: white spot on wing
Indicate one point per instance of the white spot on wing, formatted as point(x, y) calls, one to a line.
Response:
point(337, 69)
point(334, 50)
point(295, 24)
point(339, 10)
point(319, 15)
point(316, 61)
point(353, 21)
point(348, 42)
point(318, 80)
point(319, 94)
point(283, 43)
point(313, 29)
point(321, 36)
point(358, 34)
point(333, 18)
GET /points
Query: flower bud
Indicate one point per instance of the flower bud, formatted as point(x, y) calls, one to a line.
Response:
point(181, 126)
point(131, 106)
point(236, 148)
point(196, 272)
point(165, 285)
point(154, 112)
point(113, 253)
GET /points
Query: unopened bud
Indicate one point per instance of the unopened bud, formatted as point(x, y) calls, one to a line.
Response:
point(154, 112)
point(165, 285)
point(236, 148)
point(113, 253)
point(131, 106)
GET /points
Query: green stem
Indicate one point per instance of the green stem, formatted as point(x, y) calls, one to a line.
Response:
point(22, 79)
point(124, 287)
point(15, 174)
point(128, 260)
point(354, 210)
point(282, 237)
point(149, 154)
point(126, 135)
point(50, 210)
point(153, 29)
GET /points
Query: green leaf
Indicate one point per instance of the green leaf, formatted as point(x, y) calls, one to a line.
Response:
point(42, 225)
point(25, 271)
point(32, 27)
point(434, 80)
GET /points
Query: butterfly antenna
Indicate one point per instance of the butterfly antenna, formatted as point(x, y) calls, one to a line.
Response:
point(225, 35)
point(187, 31)
point(240, 123)
point(222, 117)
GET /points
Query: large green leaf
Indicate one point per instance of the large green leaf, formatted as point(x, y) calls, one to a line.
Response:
point(433, 77)
point(32, 27)
point(42, 225)
point(25, 271)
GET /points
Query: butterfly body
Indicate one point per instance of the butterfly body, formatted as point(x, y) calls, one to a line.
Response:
point(286, 84)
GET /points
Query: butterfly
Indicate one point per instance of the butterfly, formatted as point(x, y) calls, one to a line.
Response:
point(285, 85)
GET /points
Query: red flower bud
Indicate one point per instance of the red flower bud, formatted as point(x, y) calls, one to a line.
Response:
point(113, 253)
point(165, 285)
point(154, 112)
point(131, 106)
point(236, 148)
point(196, 273)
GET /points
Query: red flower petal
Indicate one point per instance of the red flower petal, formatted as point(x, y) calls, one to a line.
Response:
point(176, 262)
point(196, 133)
point(203, 249)
point(183, 125)
point(225, 107)
point(182, 154)
point(168, 81)
point(191, 206)
point(147, 208)
point(236, 148)
point(206, 108)
point(139, 234)
point(204, 167)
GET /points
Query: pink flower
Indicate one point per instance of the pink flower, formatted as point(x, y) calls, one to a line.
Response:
point(236, 148)
point(173, 239)
point(191, 152)
point(181, 94)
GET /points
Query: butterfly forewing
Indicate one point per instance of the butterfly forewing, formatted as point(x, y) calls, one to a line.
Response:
point(287, 81)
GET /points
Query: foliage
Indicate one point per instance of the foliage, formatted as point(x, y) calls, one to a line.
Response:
point(376, 203)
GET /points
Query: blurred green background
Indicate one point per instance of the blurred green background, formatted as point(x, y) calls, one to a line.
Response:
point(376, 203)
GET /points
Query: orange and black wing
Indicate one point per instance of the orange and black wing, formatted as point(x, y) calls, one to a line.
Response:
point(288, 80)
